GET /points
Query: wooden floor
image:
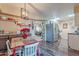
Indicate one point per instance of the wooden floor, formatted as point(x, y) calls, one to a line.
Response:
point(72, 52)
point(57, 50)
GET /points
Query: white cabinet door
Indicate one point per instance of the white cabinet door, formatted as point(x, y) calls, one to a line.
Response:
point(74, 41)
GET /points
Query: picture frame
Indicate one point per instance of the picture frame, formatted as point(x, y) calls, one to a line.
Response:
point(65, 25)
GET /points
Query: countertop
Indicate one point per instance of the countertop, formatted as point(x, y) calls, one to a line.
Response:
point(73, 33)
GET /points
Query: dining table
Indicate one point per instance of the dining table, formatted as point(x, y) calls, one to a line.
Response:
point(20, 42)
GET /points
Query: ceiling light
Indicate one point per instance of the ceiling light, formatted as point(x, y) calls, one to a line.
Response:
point(56, 18)
point(71, 15)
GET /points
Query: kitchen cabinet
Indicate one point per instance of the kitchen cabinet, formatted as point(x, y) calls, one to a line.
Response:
point(4, 38)
point(76, 12)
point(73, 41)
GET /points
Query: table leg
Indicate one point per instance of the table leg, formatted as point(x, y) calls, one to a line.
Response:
point(38, 52)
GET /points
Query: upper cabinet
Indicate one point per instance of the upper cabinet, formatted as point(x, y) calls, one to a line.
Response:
point(76, 11)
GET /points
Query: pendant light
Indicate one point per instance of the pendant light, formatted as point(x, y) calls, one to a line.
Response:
point(24, 12)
